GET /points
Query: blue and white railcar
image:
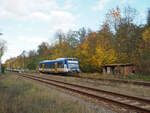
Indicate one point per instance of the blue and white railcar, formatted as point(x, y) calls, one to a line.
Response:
point(60, 65)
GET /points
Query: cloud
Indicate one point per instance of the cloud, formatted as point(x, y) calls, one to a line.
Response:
point(68, 4)
point(25, 9)
point(62, 20)
point(101, 4)
point(32, 40)
point(15, 47)
point(131, 2)
point(39, 16)
point(11, 51)
point(22, 9)
point(49, 11)
point(37, 13)
point(124, 1)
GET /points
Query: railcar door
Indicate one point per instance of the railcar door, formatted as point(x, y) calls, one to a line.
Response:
point(56, 65)
point(42, 67)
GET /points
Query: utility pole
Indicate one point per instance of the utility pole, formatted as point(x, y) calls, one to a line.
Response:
point(0, 58)
point(23, 55)
point(11, 65)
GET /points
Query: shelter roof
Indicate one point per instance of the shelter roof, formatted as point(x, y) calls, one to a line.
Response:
point(121, 64)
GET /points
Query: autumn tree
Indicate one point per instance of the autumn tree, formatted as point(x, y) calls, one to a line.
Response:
point(119, 40)
point(32, 60)
point(125, 35)
point(113, 18)
point(82, 35)
point(43, 51)
point(97, 50)
point(2, 50)
point(2, 47)
point(88, 49)
point(148, 18)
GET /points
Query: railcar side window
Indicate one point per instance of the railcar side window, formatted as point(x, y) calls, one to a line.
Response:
point(40, 65)
point(60, 65)
point(48, 65)
point(53, 66)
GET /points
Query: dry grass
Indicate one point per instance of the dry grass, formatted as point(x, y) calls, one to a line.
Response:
point(137, 77)
point(18, 96)
point(90, 75)
point(99, 75)
point(123, 77)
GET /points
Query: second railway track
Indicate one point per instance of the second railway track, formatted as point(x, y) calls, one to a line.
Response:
point(140, 83)
point(133, 82)
point(128, 102)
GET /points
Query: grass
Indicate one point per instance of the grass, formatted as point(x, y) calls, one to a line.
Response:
point(90, 75)
point(19, 96)
point(135, 77)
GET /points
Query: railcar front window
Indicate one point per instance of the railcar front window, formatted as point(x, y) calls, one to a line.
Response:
point(72, 59)
point(73, 65)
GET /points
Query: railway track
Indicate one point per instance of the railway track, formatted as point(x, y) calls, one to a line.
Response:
point(126, 81)
point(141, 83)
point(119, 81)
point(137, 104)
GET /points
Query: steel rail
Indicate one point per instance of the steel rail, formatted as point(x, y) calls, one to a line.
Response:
point(98, 90)
point(143, 83)
point(127, 81)
point(133, 107)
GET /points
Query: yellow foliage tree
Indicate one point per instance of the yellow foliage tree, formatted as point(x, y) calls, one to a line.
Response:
point(103, 56)
point(146, 38)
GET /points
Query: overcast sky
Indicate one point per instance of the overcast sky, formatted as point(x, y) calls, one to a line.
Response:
point(27, 23)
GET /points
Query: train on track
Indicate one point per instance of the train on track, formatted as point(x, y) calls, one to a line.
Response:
point(60, 65)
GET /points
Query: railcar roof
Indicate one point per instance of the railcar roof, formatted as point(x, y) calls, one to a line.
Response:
point(57, 60)
point(65, 58)
point(52, 61)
